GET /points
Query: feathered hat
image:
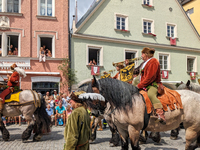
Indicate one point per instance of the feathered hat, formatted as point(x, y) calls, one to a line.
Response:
point(75, 96)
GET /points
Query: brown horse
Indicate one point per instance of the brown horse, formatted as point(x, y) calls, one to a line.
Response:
point(128, 112)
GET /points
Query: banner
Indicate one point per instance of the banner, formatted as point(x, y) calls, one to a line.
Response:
point(192, 75)
point(106, 76)
point(95, 70)
point(165, 74)
point(126, 74)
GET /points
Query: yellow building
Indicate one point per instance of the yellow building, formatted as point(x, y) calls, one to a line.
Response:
point(192, 8)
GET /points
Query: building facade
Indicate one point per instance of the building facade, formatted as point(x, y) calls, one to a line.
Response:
point(28, 25)
point(112, 31)
point(191, 8)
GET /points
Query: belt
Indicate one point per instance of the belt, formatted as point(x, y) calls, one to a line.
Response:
point(77, 147)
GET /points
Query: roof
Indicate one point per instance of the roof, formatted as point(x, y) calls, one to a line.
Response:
point(92, 7)
point(183, 2)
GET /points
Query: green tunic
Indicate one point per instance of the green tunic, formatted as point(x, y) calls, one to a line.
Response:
point(77, 130)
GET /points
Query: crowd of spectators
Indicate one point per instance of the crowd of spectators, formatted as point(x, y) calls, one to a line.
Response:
point(58, 107)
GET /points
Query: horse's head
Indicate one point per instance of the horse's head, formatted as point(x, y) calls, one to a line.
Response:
point(184, 86)
point(95, 102)
point(95, 86)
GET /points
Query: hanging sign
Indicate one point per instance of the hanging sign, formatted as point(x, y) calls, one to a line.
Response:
point(95, 70)
point(165, 74)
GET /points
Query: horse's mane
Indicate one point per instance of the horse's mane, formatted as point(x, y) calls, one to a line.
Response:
point(116, 92)
point(193, 87)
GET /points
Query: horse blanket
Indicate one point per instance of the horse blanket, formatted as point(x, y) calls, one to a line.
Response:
point(170, 98)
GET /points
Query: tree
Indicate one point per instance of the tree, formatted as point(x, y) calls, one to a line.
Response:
point(67, 73)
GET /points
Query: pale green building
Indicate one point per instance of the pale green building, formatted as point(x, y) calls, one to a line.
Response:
point(115, 30)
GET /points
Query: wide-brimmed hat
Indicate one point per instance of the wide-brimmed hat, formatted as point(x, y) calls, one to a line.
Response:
point(13, 66)
point(74, 96)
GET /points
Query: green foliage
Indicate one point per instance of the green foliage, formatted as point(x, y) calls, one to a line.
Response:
point(67, 72)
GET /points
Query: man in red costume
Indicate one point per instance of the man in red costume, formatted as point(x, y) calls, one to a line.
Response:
point(149, 80)
point(12, 83)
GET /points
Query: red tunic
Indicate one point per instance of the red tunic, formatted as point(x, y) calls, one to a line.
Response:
point(116, 76)
point(150, 74)
point(14, 81)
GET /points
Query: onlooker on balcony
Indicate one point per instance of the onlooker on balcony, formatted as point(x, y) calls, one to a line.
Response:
point(15, 52)
point(42, 56)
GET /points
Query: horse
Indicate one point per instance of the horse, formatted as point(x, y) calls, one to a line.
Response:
point(27, 108)
point(128, 113)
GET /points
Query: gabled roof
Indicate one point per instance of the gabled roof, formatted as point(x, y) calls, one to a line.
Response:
point(94, 5)
point(183, 2)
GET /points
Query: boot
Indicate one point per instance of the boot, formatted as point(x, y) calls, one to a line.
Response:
point(100, 126)
point(161, 117)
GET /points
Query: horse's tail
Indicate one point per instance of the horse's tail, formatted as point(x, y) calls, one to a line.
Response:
point(43, 121)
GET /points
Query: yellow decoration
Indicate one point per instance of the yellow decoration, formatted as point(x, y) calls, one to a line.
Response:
point(126, 74)
point(106, 76)
point(13, 98)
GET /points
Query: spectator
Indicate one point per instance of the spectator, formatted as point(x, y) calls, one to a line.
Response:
point(47, 97)
point(4, 120)
point(0, 51)
point(11, 48)
point(91, 64)
point(51, 102)
point(18, 118)
point(49, 111)
point(49, 53)
point(55, 94)
point(42, 56)
point(94, 62)
point(10, 52)
point(68, 111)
point(64, 100)
point(57, 100)
point(60, 112)
point(15, 52)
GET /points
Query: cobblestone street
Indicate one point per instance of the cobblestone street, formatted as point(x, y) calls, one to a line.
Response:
point(55, 141)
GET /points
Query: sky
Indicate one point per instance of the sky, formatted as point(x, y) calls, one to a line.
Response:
point(83, 6)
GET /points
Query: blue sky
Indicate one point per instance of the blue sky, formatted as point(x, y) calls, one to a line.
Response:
point(83, 6)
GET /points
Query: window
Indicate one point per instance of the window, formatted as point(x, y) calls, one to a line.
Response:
point(171, 30)
point(121, 22)
point(191, 64)
point(46, 43)
point(13, 6)
point(12, 45)
point(46, 7)
point(147, 2)
point(148, 26)
point(130, 54)
point(94, 55)
point(164, 61)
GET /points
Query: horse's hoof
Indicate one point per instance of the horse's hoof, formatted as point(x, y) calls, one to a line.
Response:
point(37, 138)
point(173, 137)
point(24, 141)
point(111, 145)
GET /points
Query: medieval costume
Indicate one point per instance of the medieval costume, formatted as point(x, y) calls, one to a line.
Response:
point(118, 67)
point(77, 131)
point(12, 84)
point(150, 78)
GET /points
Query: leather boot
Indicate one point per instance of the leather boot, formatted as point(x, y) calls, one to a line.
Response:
point(100, 126)
point(161, 117)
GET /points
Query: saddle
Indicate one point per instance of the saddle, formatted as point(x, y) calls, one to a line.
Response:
point(169, 99)
point(13, 96)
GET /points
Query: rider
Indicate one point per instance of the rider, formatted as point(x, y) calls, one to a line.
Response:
point(118, 67)
point(149, 79)
point(12, 84)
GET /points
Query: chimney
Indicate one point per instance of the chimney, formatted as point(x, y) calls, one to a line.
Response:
point(74, 24)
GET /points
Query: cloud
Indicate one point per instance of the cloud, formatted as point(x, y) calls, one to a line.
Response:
point(83, 6)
